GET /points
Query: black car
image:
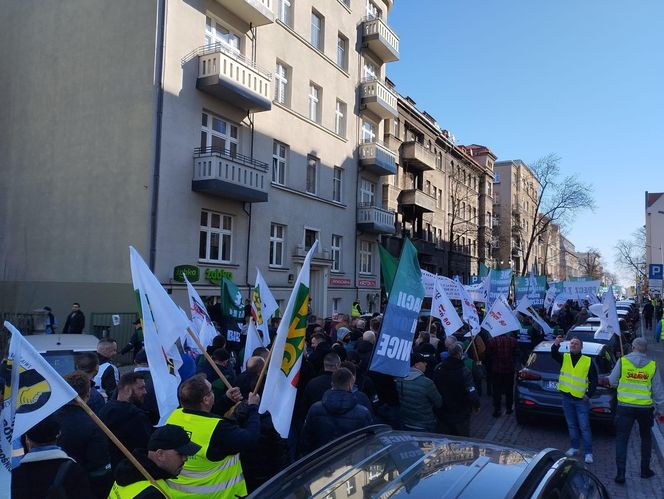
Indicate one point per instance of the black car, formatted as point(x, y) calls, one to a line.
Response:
point(380, 462)
point(536, 389)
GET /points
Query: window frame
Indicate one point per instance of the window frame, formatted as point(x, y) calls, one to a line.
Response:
point(282, 83)
point(340, 110)
point(315, 162)
point(337, 184)
point(336, 251)
point(342, 51)
point(366, 259)
point(315, 99)
point(279, 163)
point(277, 245)
point(221, 232)
point(317, 32)
point(285, 12)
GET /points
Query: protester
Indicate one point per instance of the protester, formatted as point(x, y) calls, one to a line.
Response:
point(88, 363)
point(149, 404)
point(82, 439)
point(108, 375)
point(337, 414)
point(648, 312)
point(639, 391)
point(316, 388)
point(577, 382)
point(503, 353)
point(46, 470)
point(247, 380)
point(455, 384)
point(215, 470)
point(356, 311)
point(418, 397)
point(361, 397)
point(75, 320)
point(125, 418)
point(136, 340)
point(167, 451)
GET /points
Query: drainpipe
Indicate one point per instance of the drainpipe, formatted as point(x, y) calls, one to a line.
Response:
point(156, 167)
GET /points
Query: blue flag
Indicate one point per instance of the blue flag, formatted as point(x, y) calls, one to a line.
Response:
point(392, 353)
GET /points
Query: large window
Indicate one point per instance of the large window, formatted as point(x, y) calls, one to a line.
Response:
point(366, 257)
point(216, 33)
point(310, 236)
point(281, 86)
point(317, 30)
point(336, 253)
point(342, 51)
point(340, 118)
point(215, 237)
point(277, 239)
point(279, 162)
point(367, 192)
point(315, 94)
point(368, 132)
point(285, 11)
point(312, 174)
point(218, 134)
point(337, 184)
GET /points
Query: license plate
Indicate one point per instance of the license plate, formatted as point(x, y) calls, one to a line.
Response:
point(551, 385)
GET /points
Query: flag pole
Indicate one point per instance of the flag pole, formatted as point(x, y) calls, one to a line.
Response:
point(209, 359)
point(119, 445)
point(429, 325)
point(261, 376)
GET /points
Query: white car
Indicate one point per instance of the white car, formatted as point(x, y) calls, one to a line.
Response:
point(59, 350)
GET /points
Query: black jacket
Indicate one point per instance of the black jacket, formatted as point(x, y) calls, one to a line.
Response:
point(129, 423)
point(337, 414)
point(82, 439)
point(75, 323)
point(454, 381)
point(126, 474)
point(315, 390)
point(592, 372)
point(34, 476)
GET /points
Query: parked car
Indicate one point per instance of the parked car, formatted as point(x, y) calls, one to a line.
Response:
point(59, 350)
point(587, 333)
point(379, 462)
point(536, 388)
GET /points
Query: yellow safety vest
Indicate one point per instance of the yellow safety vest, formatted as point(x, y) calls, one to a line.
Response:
point(355, 311)
point(200, 476)
point(661, 330)
point(132, 490)
point(634, 386)
point(574, 379)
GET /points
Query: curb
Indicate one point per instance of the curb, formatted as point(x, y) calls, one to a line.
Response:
point(659, 439)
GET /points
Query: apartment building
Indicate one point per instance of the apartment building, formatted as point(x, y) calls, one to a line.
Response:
point(654, 205)
point(569, 263)
point(216, 136)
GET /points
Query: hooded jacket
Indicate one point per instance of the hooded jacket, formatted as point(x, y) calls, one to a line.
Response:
point(337, 414)
point(639, 360)
point(418, 397)
point(455, 383)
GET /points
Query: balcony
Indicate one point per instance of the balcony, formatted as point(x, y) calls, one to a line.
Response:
point(417, 157)
point(220, 173)
point(377, 98)
point(376, 158)
point(415, 201)
point(375, 220)
point(516, 228)
point(254, 12)
point(380, 39)
point(231, 77)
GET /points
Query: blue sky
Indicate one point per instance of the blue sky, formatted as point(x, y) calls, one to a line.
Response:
point(580, 78)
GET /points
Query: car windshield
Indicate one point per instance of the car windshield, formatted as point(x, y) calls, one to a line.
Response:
point(62, 361)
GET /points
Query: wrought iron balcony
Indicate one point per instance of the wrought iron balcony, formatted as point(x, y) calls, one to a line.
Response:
point(374, 219)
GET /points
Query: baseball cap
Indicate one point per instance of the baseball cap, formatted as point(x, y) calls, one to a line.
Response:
point(416, 357)
point(171, 436)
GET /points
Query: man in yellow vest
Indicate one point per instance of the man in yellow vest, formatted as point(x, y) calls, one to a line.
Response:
point(215, 471)
point(168, 449)
point(577, 383)
point(639, 391)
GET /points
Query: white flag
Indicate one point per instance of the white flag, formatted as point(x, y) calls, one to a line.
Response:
point(200, 319)
point(500, 319)
point(608, 316)
point(525, 308)
point(34, 391)
point(441, 307)
point(469, 312)
point(283, 372)
point(163, 324)
point(550, 296)
point(263, 306)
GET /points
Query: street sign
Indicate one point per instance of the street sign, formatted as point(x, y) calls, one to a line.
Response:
point(655, 273)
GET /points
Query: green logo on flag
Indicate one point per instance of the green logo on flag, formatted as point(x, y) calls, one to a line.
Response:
point(296, 331)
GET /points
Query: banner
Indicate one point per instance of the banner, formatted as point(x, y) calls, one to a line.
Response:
point(388, 268)
point(500, 319)
point(499, 284)
point(283, 371)
point(550, 297)
point(392, 353)
point(200, 319)
point(534, 287)
point(441, 307)
point(469, 312)
point(582, 290)
point(163, 325)
point(477, 292)
point(608, 316)
point(525, 307)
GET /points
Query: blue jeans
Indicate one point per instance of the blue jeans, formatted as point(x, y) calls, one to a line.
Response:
point(577, 413)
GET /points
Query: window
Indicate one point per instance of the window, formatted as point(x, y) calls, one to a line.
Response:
point(314, 102)
point(366, 257)
point(277, 238)
point(215, 237)
point(281, 87)
point(337, 184)
point(310, 236)
point(370, 70)
point(279, 161)
point(285, 11)
point(395, 128)
point(336, 253)
point(340, 118)
point(336, 305)
point(312, 173)
point(317, 30)
point(496, 177)
point(368, 132)
point(218, 135)
point(216, 33)
point(367, 192)
point(342, 51)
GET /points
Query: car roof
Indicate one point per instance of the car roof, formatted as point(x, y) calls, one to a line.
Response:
point(63, 342)
point(386, 463)
point(589, 347)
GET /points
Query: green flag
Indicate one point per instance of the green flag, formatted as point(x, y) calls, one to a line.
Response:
point(484, 270)
point(388, 267)
point(231, 300)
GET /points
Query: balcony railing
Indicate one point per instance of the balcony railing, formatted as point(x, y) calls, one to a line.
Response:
point(417, 157)
point(377, 158)
point(380, 39)
point(378, 98)
point(418, 200)
point(230, 76)
point(301, 252)
point(223, 173)
point(255, 12)
point(374, 219)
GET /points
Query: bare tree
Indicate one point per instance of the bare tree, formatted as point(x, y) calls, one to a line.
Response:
point(462, 221)
point(558, 200)
point(590, 263)
point(631, 254)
